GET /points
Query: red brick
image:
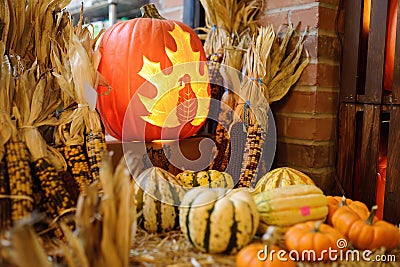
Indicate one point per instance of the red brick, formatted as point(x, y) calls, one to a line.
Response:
point(321, 74)
point(324, 179)
point(317, 17)
point(307, 18)
point(280, 124)
point(328, 75)
point(288, 3)
point(328, 47)
point(285, 3)
point(327, 18)
point(315, 129)
point(172, 3)
point(320, 102)
point(296, 102)
point(327, 102)
point(305, 156)
point(309, 75)
point(276, 19)
point(331, 2)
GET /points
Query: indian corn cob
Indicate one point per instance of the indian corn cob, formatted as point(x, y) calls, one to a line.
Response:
point(52, 186)
point(5, 212)
point(222, 136)
point(19, 173)
point(95, 147)
point(238, 139)
point(78, 165)
point(251, 156)
point(70, 184)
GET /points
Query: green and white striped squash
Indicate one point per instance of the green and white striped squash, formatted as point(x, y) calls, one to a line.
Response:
point(158, 195)
point(218, 220)
point(210, 178)
point(288, 205)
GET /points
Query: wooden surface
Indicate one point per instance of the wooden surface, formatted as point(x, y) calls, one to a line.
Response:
point(351, 51)
point(368, 156)
point(362, 104)
point(395, 99)
point(376, 53)
point(346, 147)
point(392, 190)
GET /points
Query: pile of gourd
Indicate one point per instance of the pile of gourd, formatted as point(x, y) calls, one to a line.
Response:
point(215, 218)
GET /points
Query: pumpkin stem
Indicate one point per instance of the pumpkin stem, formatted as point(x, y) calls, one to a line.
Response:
point(150, 11)
point(316, 226)
point(343, 203)
point(372, 214)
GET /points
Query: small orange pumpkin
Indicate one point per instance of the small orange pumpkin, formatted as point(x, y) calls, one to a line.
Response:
point(313, 236)
point(344, 217)
point(334, 202)
point(249, 257)
point(367, 234)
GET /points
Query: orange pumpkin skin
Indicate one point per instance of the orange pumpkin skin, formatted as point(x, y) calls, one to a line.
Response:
point(313, 236)
point(366, 234)
point(345, 217)
point(123, 48)
point(334, 202)
point(247, 257)
point(390, 45)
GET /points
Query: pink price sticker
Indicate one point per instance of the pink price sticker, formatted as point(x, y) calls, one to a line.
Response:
point(305, 211)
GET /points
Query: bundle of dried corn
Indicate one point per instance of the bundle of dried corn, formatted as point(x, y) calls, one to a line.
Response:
point(105, 230)
point(230, 24)
point(227, 21)
point(270, 74)
point(80, 131)
point(7, 130)
point(283, 69)
point(36, 100)
point(252, 107)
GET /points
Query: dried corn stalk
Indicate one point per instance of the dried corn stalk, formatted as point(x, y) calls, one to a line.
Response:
point(106, 221)
point(282, 69)
point(76, 71)
point(271, 72)
point(229, 19)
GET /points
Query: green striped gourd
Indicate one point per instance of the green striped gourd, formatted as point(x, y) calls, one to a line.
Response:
point(280, 177)
point(286, 206)
point(218, 220)
point(158, 195)
point(210, 178)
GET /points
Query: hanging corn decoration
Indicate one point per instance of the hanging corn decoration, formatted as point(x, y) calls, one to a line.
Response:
point(238, 137)
point(52, 186)
point(96, 146)
point(78, 165)
point(222, 135)
point(5, 204)
point(252, 154)
point(19, 173)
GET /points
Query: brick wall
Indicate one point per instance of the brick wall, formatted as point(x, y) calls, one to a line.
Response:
point(306, 118)
point(170, 9)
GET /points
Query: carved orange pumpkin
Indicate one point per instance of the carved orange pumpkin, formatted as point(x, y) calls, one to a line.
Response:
point(145, 61)
point(390, 44)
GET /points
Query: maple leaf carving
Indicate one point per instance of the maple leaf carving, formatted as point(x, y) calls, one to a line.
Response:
point(177, 93)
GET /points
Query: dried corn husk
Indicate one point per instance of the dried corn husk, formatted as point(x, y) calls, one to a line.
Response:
point(36, 105)
point(252, 107)
point(76, 71)
point(7, 84)
point(105, 222)
point(283, 70)
point(227, 21)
